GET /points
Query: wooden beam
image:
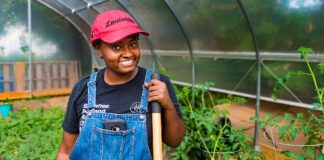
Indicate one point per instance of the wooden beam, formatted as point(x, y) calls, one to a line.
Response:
point(37, 93)
point(63, 75)
point(55, 76)
point(48, 75)
point(39, 76)
point(6, 77)
point(19, 76)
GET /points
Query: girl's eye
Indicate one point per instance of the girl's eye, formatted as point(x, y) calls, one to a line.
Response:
point(132, 45)
point(115, 47)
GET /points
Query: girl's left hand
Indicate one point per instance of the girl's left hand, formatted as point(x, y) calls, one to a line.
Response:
point(158, 91)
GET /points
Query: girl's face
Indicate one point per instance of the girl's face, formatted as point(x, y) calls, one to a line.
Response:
point(121, 58)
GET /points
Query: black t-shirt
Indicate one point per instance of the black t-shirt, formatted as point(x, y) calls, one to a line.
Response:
point(122, 99)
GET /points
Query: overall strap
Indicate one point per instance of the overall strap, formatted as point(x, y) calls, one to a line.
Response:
point(92, 90)
point(144, 101)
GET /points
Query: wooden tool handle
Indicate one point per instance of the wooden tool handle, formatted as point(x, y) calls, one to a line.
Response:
point(156, 126)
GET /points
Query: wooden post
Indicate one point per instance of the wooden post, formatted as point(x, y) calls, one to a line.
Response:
point(39, 77)
point(55, 75)
point(48, 75)
point(63, 75)
point(72, 78)
point(19, 76)
point(6, 77)
point(28, 86)
point(79, 75)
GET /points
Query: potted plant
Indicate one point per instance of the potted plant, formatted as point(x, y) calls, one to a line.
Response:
point(310, 125)
point(209, 134)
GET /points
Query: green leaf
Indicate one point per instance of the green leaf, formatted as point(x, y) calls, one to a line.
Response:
point(304, 51)
point(311, 118)
point(310, 152)
point(262, 125)
point(276, 118)
point(289, 154)
point(300, 115)
point(268, 116)
point(273, 96)
point(251, 137)
point(288, 116)
point(321, 67)
point(254, 118)
point(306, 131)
point(294, 133)
point(282, 131)
point(231, 138)
point(287, 76)
point(301, 157)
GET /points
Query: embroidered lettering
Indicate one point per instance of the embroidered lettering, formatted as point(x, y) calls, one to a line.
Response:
point(109, 23)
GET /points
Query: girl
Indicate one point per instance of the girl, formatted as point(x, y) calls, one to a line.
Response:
point(120, 92)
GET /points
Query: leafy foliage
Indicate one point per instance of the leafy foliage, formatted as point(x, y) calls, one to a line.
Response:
point(208, 130)
point(31, 134)
point(290, 125)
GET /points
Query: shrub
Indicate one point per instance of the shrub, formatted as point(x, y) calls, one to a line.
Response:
point(31, 134)
point(208, 129)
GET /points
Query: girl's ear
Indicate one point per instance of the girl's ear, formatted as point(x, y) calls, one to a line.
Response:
point(99, 52)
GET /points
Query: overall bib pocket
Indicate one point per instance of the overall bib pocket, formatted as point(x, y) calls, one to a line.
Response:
point(108, 144)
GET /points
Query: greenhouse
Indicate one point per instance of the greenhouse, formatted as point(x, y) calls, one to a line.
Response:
point(248, 75)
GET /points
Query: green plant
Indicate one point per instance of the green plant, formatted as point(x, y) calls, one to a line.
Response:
point(307, 123)
point(31, 134)
point(41, 98)
point(7, 101)
point(206, 137)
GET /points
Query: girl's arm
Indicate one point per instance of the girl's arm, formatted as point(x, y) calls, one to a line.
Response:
point(66, 146)
point(173, 129)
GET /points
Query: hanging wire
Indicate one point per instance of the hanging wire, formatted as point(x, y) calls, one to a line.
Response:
point(286, 144)
point(244, 76)
point(273, 142)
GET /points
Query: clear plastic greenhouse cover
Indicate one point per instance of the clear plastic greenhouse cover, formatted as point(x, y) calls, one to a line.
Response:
point(221, 41)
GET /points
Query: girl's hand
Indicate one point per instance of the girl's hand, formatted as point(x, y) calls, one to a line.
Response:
point(158, 91)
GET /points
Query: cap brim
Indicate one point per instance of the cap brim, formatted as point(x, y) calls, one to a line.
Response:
point(117, 36)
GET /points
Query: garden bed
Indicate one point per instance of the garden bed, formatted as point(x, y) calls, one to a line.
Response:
point(240, 115)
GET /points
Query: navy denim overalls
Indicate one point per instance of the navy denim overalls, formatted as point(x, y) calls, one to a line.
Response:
point(94, 142)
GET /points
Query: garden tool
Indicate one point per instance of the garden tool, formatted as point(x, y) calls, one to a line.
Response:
point(156, 126)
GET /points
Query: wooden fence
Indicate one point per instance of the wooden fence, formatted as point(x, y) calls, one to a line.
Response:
point(14, 76)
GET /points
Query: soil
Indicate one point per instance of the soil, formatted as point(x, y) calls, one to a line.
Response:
point(45, 103)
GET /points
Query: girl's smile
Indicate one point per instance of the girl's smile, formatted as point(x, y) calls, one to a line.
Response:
point(121, 58)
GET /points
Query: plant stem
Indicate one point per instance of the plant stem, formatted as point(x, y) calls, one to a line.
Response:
point(203, 99)
point(220, 134)
point(211, 98)
point(202, 140)
point(307, 74)
point(315, 83)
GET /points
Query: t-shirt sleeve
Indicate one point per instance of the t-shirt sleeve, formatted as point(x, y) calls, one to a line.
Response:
point(71, 120)
point(172, 94)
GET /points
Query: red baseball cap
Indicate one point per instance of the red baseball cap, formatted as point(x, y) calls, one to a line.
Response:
point(113, 26)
